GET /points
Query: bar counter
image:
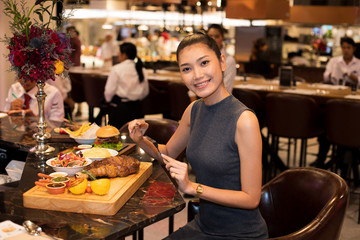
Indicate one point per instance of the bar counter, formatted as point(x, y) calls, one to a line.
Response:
point(133, 216)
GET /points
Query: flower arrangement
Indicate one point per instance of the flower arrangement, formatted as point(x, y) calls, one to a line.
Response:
point(319, 45)
point(37, 52)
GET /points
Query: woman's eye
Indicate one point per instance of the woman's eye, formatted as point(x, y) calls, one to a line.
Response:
point(203, 63)
point(186, 69)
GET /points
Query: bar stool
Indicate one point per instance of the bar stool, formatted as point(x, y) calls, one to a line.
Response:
point(293, 117)
point(253, 100)
point(77, 91)
point(179, 99)
point(343, 131)
point(94, 86)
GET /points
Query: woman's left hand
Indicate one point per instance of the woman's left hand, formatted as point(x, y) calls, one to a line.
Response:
point(179, 171)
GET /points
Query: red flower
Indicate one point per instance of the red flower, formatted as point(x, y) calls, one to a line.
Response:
point(55, 38)
point(19, 58)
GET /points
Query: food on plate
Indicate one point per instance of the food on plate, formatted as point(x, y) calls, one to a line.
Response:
point(58, 174)
point(84, 127)
point(65, 180)
point(78, 186)
point(100, 186)
point(60, 130)
point(108, 137)
point(8, 229)
point(69, 159)
point(116, 166)
point(83, 146)
point(96, 153)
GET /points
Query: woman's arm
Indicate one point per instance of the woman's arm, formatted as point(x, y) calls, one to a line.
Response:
point(176, 144)
point(249, 143)
point(110, 86)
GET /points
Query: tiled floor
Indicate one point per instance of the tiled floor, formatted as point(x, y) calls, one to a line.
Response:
point(159, 230)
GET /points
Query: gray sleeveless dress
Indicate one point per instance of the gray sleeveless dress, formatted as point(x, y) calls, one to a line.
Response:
point(214, 158)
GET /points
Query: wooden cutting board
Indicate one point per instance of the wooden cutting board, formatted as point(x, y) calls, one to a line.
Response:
point(120, 191)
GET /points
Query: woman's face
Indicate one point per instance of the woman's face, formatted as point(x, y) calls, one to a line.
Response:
point(216, 35)
point(122, 57)
point(201, 70)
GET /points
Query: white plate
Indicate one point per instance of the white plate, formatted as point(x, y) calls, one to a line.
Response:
point(9, 229)
point(111, 151)
point(3, 115)
point(69, 170)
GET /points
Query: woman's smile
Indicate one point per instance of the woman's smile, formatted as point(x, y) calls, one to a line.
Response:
point(202, 84)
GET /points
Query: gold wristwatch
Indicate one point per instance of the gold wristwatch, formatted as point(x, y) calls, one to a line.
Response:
point(199, 190)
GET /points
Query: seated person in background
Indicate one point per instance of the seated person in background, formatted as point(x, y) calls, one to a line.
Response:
point(217, 33)
point(259, 58)
point(223, 145)
point(63, 84)
point(126, 86)
point(341, 70)
point(21, 96)
point(345, 69)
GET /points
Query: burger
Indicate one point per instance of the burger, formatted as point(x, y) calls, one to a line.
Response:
point(108, 137)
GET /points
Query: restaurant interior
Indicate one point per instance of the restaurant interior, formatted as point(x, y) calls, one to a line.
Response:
point(311, 30)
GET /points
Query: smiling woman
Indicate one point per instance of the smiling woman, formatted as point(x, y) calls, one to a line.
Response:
point(228, 173)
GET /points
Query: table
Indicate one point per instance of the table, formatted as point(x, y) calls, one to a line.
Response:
point(133, 216)
point(320, 92)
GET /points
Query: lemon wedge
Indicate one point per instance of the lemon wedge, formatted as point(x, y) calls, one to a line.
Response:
point(78, 186)
point(100, 186)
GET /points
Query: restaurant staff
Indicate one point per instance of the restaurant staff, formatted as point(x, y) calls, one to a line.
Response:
point(345, 69)
point(109, 51)
point(126, 86)
point(21, 96)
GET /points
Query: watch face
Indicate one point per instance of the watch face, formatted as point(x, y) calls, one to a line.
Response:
point(199, 189)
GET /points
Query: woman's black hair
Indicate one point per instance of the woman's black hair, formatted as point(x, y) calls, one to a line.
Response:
point(217, 27)
point(130, 51)
point(347, 40)
point(198, 37)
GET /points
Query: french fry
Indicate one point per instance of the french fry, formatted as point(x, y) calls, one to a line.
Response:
point(84, 127)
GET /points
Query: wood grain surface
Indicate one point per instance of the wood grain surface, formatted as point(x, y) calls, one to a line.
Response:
point(120, 191)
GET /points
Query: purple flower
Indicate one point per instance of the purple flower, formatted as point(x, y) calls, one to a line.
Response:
point(38, 2)
point(64, 40)
point(35, 43)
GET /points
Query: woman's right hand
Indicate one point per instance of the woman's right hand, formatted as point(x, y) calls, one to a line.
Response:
point(137, 129)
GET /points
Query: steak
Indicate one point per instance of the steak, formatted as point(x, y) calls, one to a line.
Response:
point(116, 166)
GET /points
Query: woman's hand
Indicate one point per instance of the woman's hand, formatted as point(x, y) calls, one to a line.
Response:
point(137, 129)
point(179, 171)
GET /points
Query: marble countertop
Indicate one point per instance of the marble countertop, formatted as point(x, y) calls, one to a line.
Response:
point(134, 215)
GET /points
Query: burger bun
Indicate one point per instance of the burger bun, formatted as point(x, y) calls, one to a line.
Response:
point(107, 131)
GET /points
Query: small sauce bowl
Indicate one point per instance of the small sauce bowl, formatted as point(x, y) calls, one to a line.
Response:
point(84, 146)
point(58, 174)
point(65, 180)
point(56, 188)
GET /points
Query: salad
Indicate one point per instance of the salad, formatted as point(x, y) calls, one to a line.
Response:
point(69, 159)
